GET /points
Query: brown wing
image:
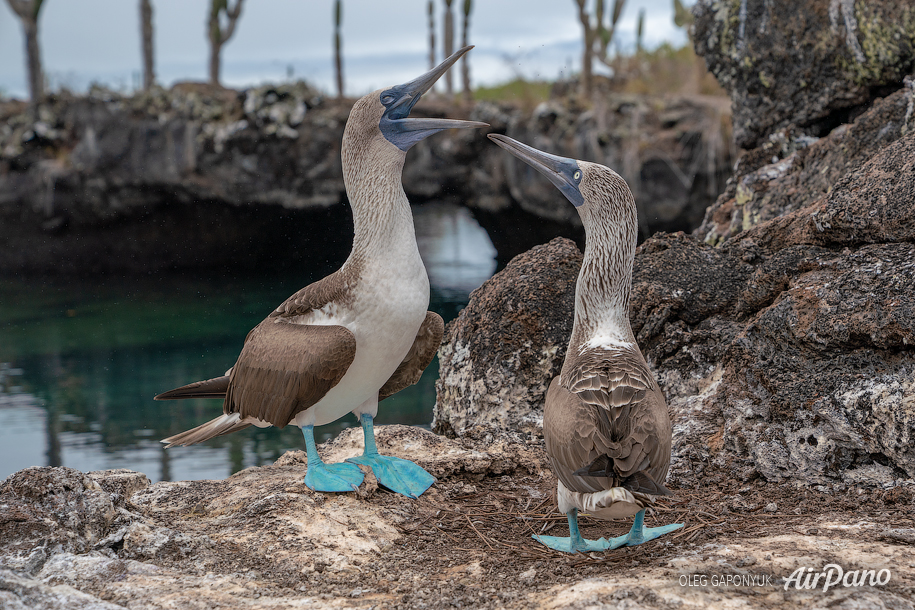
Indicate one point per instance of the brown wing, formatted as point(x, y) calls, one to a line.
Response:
point(607, 407)
point(286, 368)
point(427, 342)
point(333, 288)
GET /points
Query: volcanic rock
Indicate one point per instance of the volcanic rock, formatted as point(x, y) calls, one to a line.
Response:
point(813, 64)
point(501, 352)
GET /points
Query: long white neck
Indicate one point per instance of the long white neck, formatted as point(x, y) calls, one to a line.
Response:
point(602, 292)
point(382, 218)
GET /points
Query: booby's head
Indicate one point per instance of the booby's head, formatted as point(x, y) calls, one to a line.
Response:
point(387, 111)
point(599, 194)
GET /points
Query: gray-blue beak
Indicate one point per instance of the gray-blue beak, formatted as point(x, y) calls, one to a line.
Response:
point(563, 172)
point(399, 100)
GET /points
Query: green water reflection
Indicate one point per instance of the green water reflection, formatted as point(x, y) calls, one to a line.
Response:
point(93, 354)
point(80, 360)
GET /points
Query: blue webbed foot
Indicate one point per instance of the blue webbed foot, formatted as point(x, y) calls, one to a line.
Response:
point(574, 543)
point(333, 477)
point(639, 533)
point(398, 475)
point(328, 477)
point(570, 545)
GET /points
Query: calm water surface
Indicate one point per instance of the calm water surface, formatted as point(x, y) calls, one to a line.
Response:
point(81, 360)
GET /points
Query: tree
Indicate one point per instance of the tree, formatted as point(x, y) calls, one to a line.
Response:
point(338, 58)
point(28, 10)
point(597, 38)
point(146, 33)
point(465, 62)
point(449, 44)
point(218, 33)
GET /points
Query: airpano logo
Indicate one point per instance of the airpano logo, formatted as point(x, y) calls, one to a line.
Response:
point(804, 578)
point(833, 575)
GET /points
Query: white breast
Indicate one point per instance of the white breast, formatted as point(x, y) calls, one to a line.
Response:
point(390, 306)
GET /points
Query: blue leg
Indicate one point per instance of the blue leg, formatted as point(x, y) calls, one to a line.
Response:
point(639, 533)
point(328, 477)
point(574, 543)
point(401, 476)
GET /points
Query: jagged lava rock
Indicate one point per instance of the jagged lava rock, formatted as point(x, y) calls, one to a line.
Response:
point(790, 171)
point(807, 371)
point(810, 63)
point(500, 354)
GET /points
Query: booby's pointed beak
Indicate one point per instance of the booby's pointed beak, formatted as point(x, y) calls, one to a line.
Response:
point(399, 100)
point(563, 172)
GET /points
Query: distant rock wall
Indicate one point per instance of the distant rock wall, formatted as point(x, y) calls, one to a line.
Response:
point(201, 176)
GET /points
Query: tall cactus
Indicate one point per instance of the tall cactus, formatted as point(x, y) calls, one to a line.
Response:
point(597, 37)
point(431, 10)
point(465, 62)
point(449, 44)
point(146, 33)
point(27, 11)
point(638, 32)
point(338, 44)
point(219, 34)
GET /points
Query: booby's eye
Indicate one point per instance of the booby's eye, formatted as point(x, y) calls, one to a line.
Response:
point(577, 175)
point(387, 98)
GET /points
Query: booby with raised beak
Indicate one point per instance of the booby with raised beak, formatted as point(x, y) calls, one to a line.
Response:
point(605, 421)
point(360, 334)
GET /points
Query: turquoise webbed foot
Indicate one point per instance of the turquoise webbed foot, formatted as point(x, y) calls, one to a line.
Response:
point(574, 543)
point(398, 475)
point(639, 533)
point(328, 477)
point(333, 477)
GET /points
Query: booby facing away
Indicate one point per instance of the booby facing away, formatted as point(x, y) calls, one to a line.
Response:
point(605, 421)
point(360, 334)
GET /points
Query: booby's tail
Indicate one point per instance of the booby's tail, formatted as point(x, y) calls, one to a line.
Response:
point(210, 388)
point(224, 424)
point(638, 482)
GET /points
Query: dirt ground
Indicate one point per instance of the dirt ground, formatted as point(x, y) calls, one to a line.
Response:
point(260, 539)
point(483, 528)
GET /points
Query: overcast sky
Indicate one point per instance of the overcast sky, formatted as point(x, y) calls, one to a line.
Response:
point(384, 42)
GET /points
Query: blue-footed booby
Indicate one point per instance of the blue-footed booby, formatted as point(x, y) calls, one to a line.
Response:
point(360, 334)
point(605, 421)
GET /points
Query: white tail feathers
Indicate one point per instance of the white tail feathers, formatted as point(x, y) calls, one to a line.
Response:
point(224, 424)
point(613, 503)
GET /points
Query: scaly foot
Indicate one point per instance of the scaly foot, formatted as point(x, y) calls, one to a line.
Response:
point(639, 533)
point(333, 477)
point(328, 477)
point(398, 475)
point(574, 543)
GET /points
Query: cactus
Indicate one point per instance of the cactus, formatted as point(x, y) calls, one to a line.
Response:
point(449, 44)
point(27, 11)
point(338, 44)
point(219, 35)
point(683, 17)
point(465, 62)
point(638, 32)
point(598, 37)
point(431, 9)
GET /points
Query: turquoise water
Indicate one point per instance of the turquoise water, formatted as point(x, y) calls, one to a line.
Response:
point(81, 360)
